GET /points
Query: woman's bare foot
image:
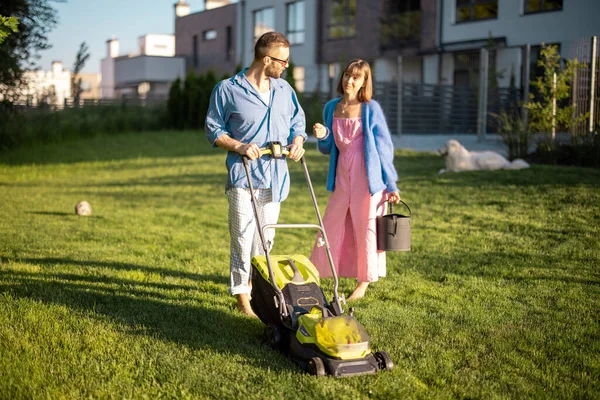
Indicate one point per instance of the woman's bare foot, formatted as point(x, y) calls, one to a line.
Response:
point(359, 292)
point(243, 304)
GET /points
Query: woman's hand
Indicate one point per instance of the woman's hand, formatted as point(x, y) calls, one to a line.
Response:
point(394, 197)
point(319, 131)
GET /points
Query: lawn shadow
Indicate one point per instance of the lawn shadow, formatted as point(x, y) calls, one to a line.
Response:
point(218, 279)
point(502, 265)
point(61, 214)
point(52, 213)
point(535, 176)
point(187, 179)
point(195, 323)
point(112, 147)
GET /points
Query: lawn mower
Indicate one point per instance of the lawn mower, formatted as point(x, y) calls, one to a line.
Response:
point(300, 322)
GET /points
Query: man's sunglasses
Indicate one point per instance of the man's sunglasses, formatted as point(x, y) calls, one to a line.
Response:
point(284, 63)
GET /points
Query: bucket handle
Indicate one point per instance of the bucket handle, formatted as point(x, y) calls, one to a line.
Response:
point(391, 207)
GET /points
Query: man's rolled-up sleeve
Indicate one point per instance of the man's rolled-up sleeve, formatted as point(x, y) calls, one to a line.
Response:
point(215, 125)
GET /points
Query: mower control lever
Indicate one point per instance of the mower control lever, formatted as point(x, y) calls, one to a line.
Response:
point(275, 149)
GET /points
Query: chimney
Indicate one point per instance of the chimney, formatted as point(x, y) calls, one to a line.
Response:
point(182, 8)
point(57, 67)
point(210, 4)
point(112, 48)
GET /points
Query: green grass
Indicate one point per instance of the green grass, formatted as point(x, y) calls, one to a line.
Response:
point(498, 298)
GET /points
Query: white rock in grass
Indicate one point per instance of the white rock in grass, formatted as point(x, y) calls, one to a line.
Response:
point(83, 208)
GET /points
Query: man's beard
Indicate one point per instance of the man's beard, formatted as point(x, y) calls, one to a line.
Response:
point(273, 71)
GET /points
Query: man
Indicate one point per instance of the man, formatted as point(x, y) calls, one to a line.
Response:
point(246, 112)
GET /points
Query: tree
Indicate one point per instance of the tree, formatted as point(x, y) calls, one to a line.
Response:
point(547, 108)
point(82, 56)
point(175, 105)
point(8, 25)
point(20, 50)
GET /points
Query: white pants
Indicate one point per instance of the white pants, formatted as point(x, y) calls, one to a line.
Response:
point(245, 240)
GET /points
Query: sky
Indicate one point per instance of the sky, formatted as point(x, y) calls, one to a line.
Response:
point(96, 21)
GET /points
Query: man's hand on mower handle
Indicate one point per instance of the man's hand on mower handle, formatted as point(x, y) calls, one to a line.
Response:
point(296, 151)
point(251, 151)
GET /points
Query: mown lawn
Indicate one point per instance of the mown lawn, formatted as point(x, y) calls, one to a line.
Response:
point(499, 297)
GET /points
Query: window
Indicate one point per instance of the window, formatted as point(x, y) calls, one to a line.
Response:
point(535, 6)
point(195, 51)
point(209, 35)
point(400, 22)
point(295, 22)
point(466, 67)
point(264, 21)
point(342, 19)
point(228, 44)
point(476, 10)
point(534, 56)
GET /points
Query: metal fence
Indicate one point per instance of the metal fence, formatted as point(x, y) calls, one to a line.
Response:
point(441, 108)
point(71, 103)
point(586, 86)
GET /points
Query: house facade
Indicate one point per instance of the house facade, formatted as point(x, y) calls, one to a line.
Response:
point(380, 32)
point(207, 39)
point(47, 87)
point(511, 27)
point(295, 19)
point(148, 73)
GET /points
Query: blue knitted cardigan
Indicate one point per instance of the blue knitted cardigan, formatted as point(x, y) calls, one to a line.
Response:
point(379, 148)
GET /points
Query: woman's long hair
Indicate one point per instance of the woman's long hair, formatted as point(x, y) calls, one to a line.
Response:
point(358, 67)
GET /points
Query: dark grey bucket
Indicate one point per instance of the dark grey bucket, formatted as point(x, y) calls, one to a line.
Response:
point(393, 231)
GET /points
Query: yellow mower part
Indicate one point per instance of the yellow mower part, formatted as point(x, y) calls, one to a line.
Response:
point(283, 271)
point(340, 337)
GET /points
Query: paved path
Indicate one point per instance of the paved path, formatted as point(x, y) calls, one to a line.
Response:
point(432, 143)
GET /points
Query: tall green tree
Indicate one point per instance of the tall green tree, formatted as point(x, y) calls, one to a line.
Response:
point(175, 105)
point(8, 25)
point(542, 112)
point(83, 54)
point(21, 49)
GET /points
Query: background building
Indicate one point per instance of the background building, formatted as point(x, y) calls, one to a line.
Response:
point(90, 85)
point(48, 87)
point(511, 25)
point(146, 74)
point(298, 20)
point(206, 39)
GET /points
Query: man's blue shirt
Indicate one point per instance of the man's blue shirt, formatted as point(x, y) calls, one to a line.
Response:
point(237, 110)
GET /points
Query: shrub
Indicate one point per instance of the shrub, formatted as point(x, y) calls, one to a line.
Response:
point(514, 132)
point(19, 126)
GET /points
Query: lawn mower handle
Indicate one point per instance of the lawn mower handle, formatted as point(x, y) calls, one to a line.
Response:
point(277, 151)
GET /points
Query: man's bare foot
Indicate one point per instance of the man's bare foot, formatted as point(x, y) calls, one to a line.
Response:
point(243, 304)
point(359, 292)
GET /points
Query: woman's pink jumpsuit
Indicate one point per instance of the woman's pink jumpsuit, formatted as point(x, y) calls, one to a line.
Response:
point(349, 218)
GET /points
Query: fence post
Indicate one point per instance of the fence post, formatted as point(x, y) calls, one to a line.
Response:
point(400, 79)
point(483, 94)
point(332, 83)
point(554, 107)
point(593, 83)
point(527, 73)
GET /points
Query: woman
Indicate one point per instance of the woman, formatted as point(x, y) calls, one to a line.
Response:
point(361, 176)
